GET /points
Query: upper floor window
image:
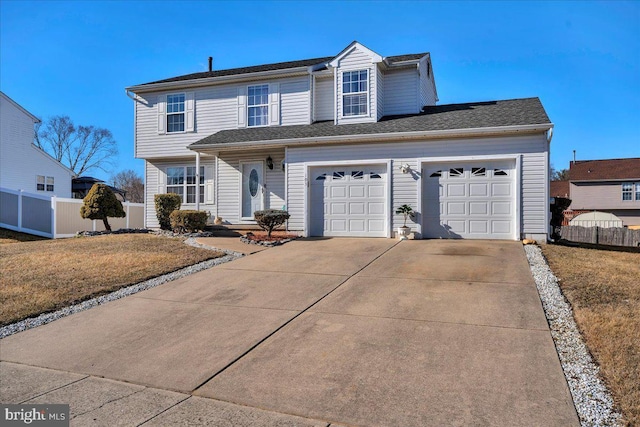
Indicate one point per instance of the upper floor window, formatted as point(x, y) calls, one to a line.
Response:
point(44, 183)
point(258, 105)
point(355, 94)
point(182, 181)
point(175, 113)
point(631, 191)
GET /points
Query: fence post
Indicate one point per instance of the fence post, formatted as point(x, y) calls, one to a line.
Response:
point(128, 205)
point(20, 210)
point(53, 216)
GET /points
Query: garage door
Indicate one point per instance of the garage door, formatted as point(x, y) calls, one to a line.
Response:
point(469, 200)
point(348, 201)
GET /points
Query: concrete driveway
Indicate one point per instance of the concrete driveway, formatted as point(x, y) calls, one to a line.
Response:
point(318, 332)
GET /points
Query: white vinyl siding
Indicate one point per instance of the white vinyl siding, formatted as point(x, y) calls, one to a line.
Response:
point(427, 86)
point(20, 160)
point(405, 187)
point(323, 100)
point(294, 102)
point(401, 96)
point(217, 109)
point(229, 176)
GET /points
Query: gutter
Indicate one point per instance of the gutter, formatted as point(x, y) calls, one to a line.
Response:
point(375, 137)
point(217, 80)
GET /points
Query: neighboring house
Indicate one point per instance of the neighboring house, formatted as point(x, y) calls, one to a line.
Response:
point(611, 185)
point(81, 186)
point(341, 142)
point(23, 166)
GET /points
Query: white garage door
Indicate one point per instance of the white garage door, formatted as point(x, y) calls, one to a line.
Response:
point(348, 201)
point(469, 200)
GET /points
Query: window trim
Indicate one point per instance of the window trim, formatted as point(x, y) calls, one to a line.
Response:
point(183, 112)
point(366, 93)
point(633, 191)
point(45, 183)
point(258, 105)
point(185, 185)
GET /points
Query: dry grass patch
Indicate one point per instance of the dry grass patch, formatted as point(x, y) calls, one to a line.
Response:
point(604, 289)
point(8, 236)
point(43, 276)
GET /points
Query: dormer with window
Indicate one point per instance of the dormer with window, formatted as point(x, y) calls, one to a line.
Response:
point(358, 84)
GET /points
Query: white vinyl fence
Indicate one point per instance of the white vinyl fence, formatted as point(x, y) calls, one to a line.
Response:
point(56, 217)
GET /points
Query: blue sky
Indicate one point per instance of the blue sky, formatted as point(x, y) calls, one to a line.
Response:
point(582, 59)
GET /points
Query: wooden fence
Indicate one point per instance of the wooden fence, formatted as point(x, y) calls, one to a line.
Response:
point(602, 236)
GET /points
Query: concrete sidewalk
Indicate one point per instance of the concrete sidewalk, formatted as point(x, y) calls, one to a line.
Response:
point(346, 331)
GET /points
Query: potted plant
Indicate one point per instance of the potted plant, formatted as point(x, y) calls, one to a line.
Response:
point(406, 211)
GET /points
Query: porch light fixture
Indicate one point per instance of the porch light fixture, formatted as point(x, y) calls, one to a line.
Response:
point(270, 162)
point(405, 168)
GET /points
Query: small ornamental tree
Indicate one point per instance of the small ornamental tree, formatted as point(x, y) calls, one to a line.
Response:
point(269, 219)
point(165, 204)
point(406, 211)
point(101, 203)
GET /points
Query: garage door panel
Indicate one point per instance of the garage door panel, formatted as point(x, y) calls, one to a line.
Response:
point(503, 227)
point(469, 200)
point(478, 227)
point(457, 226)
point(456, 208)
point(377, 225)
point(357, 225)
point(478, 190)
point(501, 208)
point(338, 192)
point(356, 208)
point(356, 191)
point(501, 189)
point(456, 190)
point(376, 190)
point(338, 225)
point(478, 208)
point(338, 208)
point(348, 201)
point(375, 208)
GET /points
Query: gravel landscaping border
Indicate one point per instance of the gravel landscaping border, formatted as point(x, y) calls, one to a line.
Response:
point(592, 400)
point(45, 318)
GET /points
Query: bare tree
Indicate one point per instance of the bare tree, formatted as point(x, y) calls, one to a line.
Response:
point(559, 175)
point(129, 181)
point(80, 148)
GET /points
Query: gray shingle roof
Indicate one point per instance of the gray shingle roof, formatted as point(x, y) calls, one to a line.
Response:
point(513, 112)
point(271, 67)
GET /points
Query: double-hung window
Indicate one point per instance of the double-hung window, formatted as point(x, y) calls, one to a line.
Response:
point(355, 93)
point(182, 180)
point(44, 183)
point(175, 113)
point(631, 191)
point(258, 105)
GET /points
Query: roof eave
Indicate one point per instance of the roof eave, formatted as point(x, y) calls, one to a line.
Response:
point(602, 180)
point(151, 87)
point(375, 137)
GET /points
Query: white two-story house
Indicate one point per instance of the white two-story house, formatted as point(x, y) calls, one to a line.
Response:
point(341, 142)
point(23, 166)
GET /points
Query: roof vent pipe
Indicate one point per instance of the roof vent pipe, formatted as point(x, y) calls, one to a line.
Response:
point(211, 63)
point(574, 156)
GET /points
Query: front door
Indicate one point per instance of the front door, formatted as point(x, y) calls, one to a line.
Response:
point(252, 189)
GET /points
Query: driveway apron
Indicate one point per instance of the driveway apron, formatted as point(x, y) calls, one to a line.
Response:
point(351, 331)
